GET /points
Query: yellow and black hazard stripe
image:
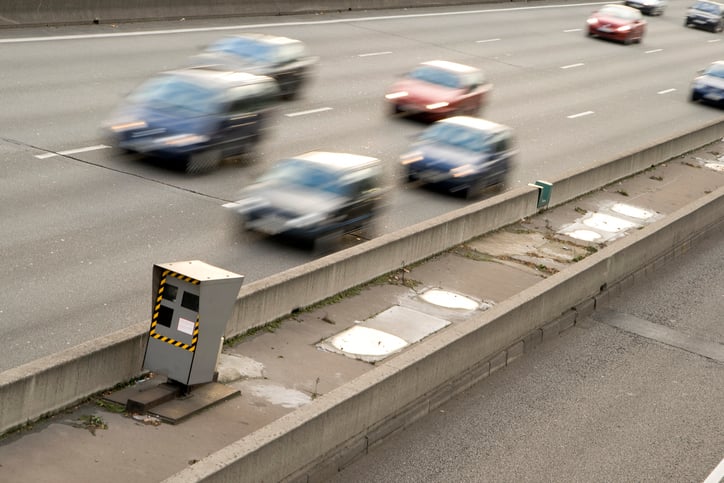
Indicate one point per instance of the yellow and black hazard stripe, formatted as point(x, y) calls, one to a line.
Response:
point(161, 286)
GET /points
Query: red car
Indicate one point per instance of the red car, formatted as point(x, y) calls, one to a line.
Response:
point(617, 22)
point(438, 89)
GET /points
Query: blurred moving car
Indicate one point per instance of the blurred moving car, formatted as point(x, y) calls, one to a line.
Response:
point(314, 195)
point(709, 86)
point(286, 60)
point(648, 7)
point(439, 89)
point(617, 22)
point(462, 155)
point(194, 116)
point(705, 15)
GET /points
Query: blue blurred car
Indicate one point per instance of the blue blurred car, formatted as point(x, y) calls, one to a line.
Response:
point(709, 86)
point(462, 155)
point(195, 117)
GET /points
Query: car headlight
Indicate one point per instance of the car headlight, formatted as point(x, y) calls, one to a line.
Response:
point(183, 139)
point(592, 21)
point(464, 170)
point(437, 105)
point(410, 158)
point(248, 205)
point(396, 95)
point(127, 126)
point(306, 220)
point(624, 28)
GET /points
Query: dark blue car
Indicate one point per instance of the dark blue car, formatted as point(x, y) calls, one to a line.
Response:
point(195, 117)
point(462, 155)
point(709, 86)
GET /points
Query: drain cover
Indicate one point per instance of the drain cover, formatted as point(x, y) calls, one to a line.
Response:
point(450, 300)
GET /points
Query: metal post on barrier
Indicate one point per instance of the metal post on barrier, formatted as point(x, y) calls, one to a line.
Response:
point(544, 192)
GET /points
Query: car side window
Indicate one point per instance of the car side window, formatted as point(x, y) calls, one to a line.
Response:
point(252, 102)
point(501, 143)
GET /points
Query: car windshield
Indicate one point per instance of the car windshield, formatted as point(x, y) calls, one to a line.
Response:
point(715, 70)
point(706, 7)
point(433, 75)
point(296, 172)
point(247, 48)
point(459, 136)
point(177, 95)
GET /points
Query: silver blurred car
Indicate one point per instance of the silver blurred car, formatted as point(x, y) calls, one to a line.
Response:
point(648, 7)
point(312, 196)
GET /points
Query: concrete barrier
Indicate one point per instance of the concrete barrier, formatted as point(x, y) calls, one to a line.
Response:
point(23, 13)
point(53, 383)
point(316, 440)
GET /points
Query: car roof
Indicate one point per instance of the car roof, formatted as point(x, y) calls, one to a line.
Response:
point(338, 161)
point(452, 66)
point(267, 38)
point(220, 78)
point(475, 123)
point(618, 7)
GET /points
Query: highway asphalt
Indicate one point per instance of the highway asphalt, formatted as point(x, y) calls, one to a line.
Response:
point(83, 226)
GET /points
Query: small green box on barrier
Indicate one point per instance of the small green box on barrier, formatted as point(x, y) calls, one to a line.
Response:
point(544, 192)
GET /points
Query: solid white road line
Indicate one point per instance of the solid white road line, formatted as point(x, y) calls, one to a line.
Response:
point(291, 24)
point(716, 476)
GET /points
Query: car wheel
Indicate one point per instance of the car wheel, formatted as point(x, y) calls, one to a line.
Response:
point(694, 96)
point(326, 244)
point(719, 27)
point(203, 161)
point(475, 190)
point(686, 22)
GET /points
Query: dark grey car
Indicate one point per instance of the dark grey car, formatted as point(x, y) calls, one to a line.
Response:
point(286, 60)
point(313, 196)
point(706, 15)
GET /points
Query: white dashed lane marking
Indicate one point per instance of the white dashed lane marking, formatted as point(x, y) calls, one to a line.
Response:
point(571, 66)
point(666, 91)
point(311, 111)
point(372, 54)
point(580, 114)
point(72, 151)
point(653, 51)
point(486, 41)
